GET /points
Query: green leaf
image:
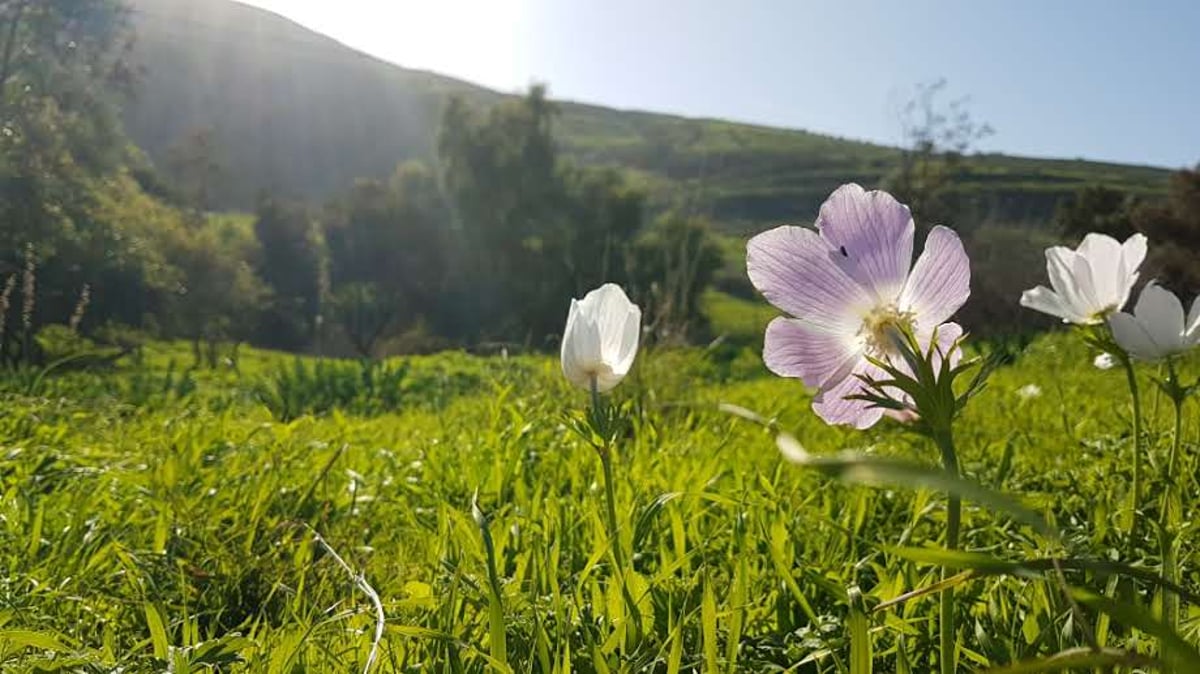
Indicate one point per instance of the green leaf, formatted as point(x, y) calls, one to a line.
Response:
point(30, 639)
point(158, 631)
point(960, 559)
point(708, 628)
point(1076, 659)
point(1174, 648)
point(873, 470)
point(858, 629)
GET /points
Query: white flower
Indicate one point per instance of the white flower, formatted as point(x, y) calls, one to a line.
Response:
point(1157, 328)
point(601, 338)
point(1104, 361)
point(1089, 282)
point(1029, 391)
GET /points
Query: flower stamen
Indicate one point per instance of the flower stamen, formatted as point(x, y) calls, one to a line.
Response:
point(883, 329)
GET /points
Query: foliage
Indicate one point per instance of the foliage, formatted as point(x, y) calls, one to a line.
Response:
point(292, 262)
point(530, 230)
point(387, 254)
point(62, 69)
point(1171, 224)
point(672, 263)
point(1174, 227)
point(1005, 261)
point(57, 341)
point(143, 526)
point(219, 288)
point(1097, 208)
point(366, 388)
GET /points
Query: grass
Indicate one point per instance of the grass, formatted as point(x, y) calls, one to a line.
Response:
point(148, 525)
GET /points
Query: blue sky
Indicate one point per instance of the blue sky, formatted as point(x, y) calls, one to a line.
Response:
point(1100, 80)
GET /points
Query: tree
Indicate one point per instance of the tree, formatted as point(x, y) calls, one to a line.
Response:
point(937, 139)
point(291, 257)
point(1006, 260)
point(195, 167)
point(1097, 208)
point(501, 174)
point(671, 265)
point(529, 230)
point(387, 255)
point(1173, 228)
point(63, 71)
point(219, 296)
point(605, 214)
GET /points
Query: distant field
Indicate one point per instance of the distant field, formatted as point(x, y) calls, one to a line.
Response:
point(161, 519)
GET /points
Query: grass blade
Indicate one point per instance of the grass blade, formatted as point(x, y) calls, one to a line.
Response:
point(1174, 648)
point(1076, 659)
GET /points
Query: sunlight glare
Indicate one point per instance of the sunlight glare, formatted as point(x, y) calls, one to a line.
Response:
point(477, 40)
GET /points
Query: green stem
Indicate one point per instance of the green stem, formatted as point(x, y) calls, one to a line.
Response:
point(614, 538)
point(1168, 512)
point(1135, 491)
point(945, 442)
point(609, 496)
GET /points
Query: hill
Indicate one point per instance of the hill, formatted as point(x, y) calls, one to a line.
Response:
point(298, 113)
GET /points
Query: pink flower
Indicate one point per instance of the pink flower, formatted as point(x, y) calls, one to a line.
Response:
point(850, 285)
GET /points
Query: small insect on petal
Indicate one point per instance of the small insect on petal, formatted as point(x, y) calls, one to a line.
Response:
point(848, 314)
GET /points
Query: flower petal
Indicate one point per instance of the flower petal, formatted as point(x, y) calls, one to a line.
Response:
point(948, 335)
point(941, 280)
point(1071, 277)
point(1132, 336)
point(600, 339)
point(1047, 301)
point(1192, 329)
point(793, 267)
point(833, 407)
point(1105, 258)
point(618, 321)
point(580, 347)
point(1160, 314)
point(1133, 253)
point(793, 348)
point(873, 235)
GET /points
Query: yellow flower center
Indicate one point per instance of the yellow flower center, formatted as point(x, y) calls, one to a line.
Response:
point(883, 327)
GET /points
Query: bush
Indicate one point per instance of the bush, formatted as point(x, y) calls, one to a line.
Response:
point(365, 387)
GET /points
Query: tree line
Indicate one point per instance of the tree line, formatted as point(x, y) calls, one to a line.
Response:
point(483, 246)
point(480, 247)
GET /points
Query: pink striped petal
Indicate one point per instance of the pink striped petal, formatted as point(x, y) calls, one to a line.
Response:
point(873, 235)
point(832, 405)
point(794, 269)
point(941, 280)
point(794, 348)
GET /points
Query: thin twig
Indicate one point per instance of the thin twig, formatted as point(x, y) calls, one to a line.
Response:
point(361, 582)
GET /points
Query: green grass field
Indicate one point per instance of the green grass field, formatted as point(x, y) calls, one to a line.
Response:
point(159, 519)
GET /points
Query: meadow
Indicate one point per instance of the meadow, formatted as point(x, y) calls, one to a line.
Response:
point(161, 518)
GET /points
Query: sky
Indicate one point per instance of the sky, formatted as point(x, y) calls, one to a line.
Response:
point(1104, 80)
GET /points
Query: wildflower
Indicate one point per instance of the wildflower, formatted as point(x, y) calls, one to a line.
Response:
point(1157, 328)
point(853, 294)
point(1104, 361)
point(1090, 282)
point(1029, 391)
point(601, 338)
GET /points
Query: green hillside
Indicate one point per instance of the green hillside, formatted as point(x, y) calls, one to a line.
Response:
point(298, 113)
